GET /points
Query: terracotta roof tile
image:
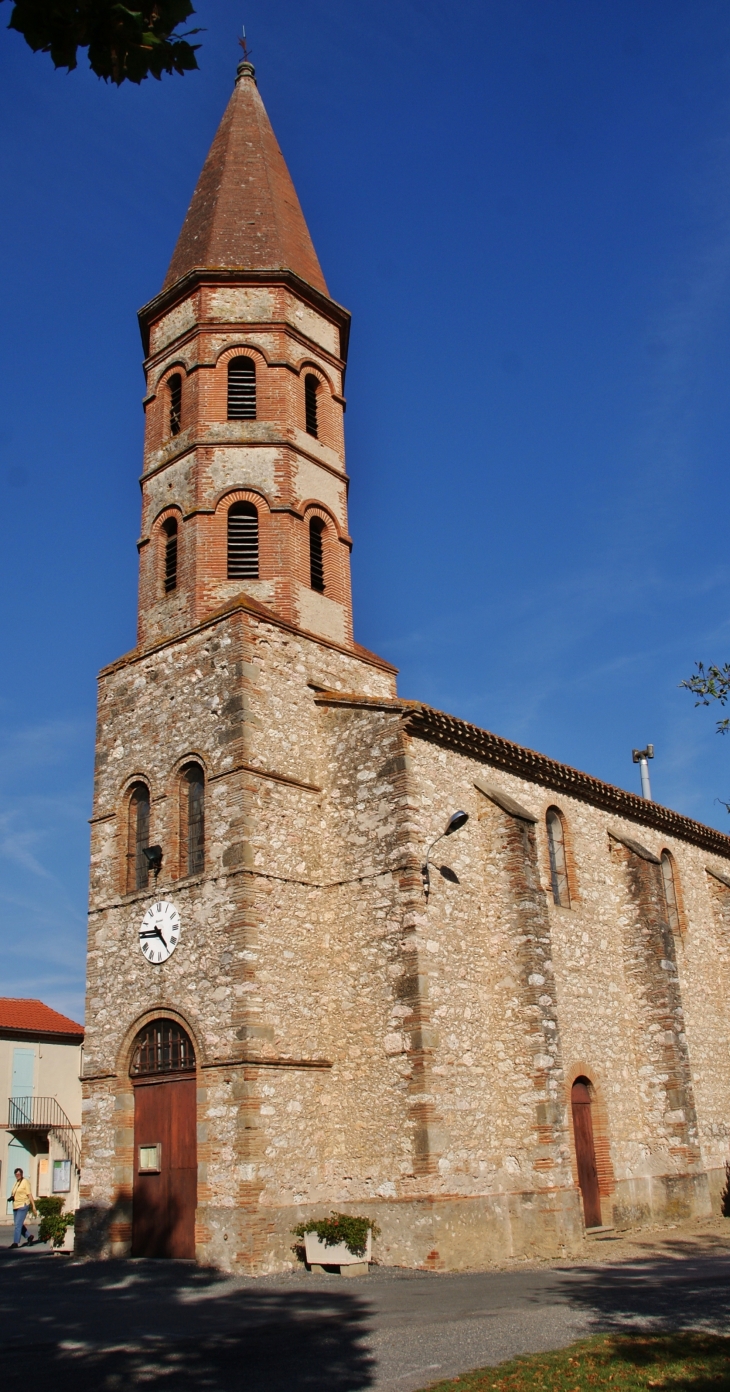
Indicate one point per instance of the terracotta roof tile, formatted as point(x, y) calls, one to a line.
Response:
point(245, 214)
point(33, 1017)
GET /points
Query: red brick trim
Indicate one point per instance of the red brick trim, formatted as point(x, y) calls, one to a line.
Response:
point(160, 1011)
point(239, 350)
point(570, 866)
point(599, 1117)
point(679, 895)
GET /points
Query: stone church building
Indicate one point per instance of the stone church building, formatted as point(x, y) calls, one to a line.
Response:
point(280, 1019)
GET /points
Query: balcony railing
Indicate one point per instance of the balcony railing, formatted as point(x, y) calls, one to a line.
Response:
point(45, 1114)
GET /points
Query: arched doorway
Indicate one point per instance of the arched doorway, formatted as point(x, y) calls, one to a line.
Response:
point(585, 1151)
point(165, 1152)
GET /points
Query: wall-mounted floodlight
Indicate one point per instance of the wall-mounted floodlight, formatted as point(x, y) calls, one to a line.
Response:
point(456, 821)
point(640, 757)
point(153, 856)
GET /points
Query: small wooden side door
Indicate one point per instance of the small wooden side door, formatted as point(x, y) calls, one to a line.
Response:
point(585, 1154)
point(163, 1215)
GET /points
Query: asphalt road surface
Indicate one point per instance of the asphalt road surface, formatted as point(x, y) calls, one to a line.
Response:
point(174, 1327)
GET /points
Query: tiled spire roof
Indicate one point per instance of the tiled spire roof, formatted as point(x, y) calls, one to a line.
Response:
point(245, 214)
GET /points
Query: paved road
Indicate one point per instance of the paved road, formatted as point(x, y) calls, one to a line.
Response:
point(172, 1327)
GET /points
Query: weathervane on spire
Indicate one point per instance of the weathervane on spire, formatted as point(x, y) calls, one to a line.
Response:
point(242, 42)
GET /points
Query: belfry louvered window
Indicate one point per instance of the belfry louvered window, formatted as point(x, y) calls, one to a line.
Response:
point(558, 862)
point(311, 387)
point(193, 819)
point(169, 531)
point(241, 389)
point(138, 836)
point(316, 554)
point(243, 542)
point(174, 387)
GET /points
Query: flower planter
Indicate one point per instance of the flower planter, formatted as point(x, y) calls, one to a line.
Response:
point(319, 1254)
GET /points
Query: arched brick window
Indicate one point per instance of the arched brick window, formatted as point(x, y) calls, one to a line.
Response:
point(169, 532)
point(316, 554)
point(243, 542)
point(138, 836)
point(670, 891)
point(174, 388)
point(162, 1047)
point(558, 862)
point(311, 388)
point(241, 389)
point(192, 820)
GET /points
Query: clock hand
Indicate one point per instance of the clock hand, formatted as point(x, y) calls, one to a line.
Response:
point(154, 933)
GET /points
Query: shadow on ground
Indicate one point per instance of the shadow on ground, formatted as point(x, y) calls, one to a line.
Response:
point(170, 1325)
point(687, 1289)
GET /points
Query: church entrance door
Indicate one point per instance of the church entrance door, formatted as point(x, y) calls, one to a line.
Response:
point(165, 1149)
point(585, 1152)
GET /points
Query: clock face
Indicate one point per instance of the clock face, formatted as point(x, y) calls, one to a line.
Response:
point(159, 932)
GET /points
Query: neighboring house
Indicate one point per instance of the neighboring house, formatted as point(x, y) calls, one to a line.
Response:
point(40, 1088)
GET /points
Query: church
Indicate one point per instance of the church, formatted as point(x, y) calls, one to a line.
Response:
point(347, 951)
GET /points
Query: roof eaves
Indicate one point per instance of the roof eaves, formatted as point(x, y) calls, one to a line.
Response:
point(426, 723)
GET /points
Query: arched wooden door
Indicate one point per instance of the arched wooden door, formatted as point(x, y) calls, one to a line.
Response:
point(165, 1150)
point(585, 1152)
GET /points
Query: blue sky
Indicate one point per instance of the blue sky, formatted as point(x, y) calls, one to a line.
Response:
point(526, 206)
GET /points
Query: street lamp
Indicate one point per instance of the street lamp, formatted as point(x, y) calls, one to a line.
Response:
point(640, 757)
point(456, 821)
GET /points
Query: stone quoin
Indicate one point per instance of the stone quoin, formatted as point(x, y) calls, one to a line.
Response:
point(279, 1022)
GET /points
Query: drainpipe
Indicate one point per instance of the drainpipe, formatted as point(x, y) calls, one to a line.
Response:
point(641, 757)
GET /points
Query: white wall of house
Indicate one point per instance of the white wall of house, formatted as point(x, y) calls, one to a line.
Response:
point(52, 1069)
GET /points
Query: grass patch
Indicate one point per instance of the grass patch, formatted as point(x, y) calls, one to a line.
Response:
point(688, 1361)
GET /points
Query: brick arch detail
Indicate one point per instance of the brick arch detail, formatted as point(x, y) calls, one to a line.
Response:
point(573, 885)
point(306, 366)
point(241, 495)
point(599, 1117)
point(240, 350)
point(169, 370)
point(171, 510)
point(312, 508)
point(677, 890)
point(159, 1012)
point(126, 791)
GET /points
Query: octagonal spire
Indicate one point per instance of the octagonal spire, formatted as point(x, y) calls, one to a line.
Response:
point(245, 214)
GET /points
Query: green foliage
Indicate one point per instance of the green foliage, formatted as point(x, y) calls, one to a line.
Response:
point(687, 1361)
point(711, 685)
point(124, 45)
point(340, 1227)
point(53, 1222)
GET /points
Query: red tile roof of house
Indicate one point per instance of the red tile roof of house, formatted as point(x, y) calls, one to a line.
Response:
point(33, 1017)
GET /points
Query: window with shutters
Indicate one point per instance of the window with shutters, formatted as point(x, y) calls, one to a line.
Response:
point(241, 389)
point(138, 836)
point(174, 387)
point(558, 862)
point(316, 554)
point(670, 891)
point(311, 388)
point(192, 819)
point(243, 542)
point(169, 533)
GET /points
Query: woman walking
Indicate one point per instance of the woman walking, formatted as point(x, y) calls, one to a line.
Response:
point(22, 1201)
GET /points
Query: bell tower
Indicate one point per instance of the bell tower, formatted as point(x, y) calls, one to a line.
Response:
point(244, 486)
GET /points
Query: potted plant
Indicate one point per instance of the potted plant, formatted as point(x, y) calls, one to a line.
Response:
point(340, 1240)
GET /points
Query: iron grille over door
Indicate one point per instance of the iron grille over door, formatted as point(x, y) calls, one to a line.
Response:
point(162, 1047)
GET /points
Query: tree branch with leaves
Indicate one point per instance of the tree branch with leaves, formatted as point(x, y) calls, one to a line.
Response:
point(712, 684)
point(124, 44)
